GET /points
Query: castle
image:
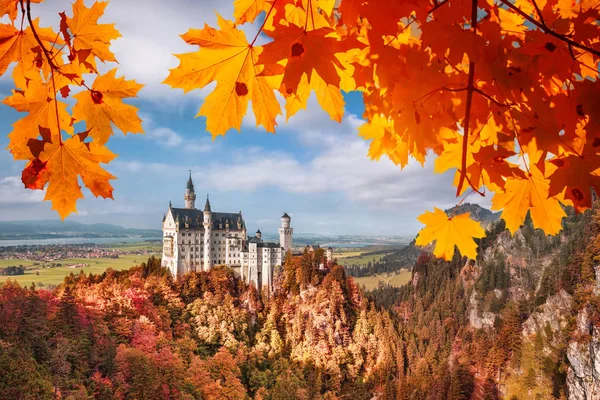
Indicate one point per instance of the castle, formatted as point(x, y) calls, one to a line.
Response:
point(195, 240)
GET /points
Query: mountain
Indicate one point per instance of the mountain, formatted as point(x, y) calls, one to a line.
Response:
point(44, 229)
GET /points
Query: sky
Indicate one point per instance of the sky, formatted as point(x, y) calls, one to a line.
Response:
point(314, 168)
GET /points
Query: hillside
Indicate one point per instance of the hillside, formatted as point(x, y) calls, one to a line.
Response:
point(522, 321)
point(47, 229)
point(136, 334)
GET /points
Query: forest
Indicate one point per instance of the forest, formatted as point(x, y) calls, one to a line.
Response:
point(503, 326)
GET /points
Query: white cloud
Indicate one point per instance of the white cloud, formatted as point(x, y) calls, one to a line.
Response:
point(165, 137)
point(13, 192)
point(150, 32)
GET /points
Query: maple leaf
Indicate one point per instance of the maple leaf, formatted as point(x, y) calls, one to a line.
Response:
point(226, 56)
point(247, 10)
point(22, 47)
point(60, 164)
point(38, 100)
point(104, 104)
point(11, 8)
point(304, 52)
point(87, 34)
point(576, 175)
point(530, 195)
point(449, 231)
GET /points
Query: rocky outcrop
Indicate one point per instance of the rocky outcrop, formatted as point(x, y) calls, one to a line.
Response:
point(553, 313)
point(477, 319)
point(583, 355)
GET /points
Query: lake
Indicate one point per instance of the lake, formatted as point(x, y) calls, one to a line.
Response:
point(76, 240)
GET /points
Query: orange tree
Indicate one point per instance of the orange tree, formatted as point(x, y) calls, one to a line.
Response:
point(505, 92)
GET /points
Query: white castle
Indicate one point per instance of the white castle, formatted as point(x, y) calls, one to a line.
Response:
point(195, 240)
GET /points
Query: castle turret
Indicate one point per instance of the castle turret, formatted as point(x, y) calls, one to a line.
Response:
point(259, 235)
point(207, 235)
point(285, 233)
point(190, 195)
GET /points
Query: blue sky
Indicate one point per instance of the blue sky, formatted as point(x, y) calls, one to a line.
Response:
point(314, 168)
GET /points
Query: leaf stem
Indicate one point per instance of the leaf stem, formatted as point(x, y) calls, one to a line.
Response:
point(264, 22)
point(547, 30)
point(53, 66)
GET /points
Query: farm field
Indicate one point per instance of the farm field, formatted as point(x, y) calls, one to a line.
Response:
point(356, 257)
point(397, 279)
point(54, 276)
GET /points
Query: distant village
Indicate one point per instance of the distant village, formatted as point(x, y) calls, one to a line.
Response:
point(48, 255)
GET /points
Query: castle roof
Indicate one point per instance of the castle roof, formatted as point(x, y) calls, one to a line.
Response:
point(207, 204)
point(195, 219)
point(285, 215)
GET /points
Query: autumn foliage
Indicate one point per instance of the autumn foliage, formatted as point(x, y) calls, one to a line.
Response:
point(49, 65)
point(504, 92)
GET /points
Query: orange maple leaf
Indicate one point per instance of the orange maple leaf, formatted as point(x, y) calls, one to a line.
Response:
point(226, 56)
point(104, 104)
point(449, 231)
point(88, 34)
point(38, 100)
point(61, 163)
point(11, 8)
point(21, 46)
point(303, 52)
point(576, 175)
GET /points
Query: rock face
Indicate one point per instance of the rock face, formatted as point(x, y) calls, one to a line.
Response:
point(583, 375)
point(553, 313)
point(479, 320)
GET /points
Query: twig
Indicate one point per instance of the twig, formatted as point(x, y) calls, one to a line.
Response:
point(37, 38)
point(549, 31)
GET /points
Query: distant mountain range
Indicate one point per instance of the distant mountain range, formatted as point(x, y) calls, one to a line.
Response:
point(55, 229)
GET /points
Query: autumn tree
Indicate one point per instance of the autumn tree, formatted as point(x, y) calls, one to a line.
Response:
point(503, 92)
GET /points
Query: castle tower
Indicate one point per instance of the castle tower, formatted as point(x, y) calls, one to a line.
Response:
point(207, 235)
point(190, 195)
point(285, 233)
point(259, 235)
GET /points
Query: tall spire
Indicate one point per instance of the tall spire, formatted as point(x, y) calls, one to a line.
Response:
point(190, 184)
point(190, 195)
point(207, 205)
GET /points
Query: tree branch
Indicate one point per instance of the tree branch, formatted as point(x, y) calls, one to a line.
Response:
point(437, 5)
point(467, 120)
point(549, 31)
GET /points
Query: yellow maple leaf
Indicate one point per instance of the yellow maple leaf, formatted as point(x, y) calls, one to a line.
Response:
point(88, 34)
point(449, 231)
point(104, 104)
point(530, 194)
point(247, 10)
point(61, 163)
point(226, 56)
